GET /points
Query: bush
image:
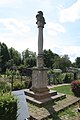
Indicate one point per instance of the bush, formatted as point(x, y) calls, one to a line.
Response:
point(17, 85)
point(5, 86)
point(28, 84)
point(55, 76)
point(75, 86)
point(8, 107)
point(69, 77)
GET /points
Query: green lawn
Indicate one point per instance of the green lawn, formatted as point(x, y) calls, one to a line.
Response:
point(66, 89)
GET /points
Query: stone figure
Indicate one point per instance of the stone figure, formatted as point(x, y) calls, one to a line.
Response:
point(40, 19)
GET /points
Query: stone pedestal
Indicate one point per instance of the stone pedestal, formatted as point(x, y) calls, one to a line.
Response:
point(39, 83)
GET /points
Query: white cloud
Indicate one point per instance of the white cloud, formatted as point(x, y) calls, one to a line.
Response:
point(20, 43)
point(52, 33)
point(3, 2)
point(54, 28)
point(70, 14)
point(14, 25)
point(72, 51)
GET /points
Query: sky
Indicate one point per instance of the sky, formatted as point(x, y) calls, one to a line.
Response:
point(61, 32)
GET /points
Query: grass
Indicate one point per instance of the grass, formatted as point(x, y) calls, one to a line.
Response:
point(66, 89)
point(69, 113)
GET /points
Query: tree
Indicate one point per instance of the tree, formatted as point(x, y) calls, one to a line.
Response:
point(29, 58)
point(49, 57)
point(15, 57)
point(56, 64)
point(78, 62)
point(0, 57)
point(4, 56)
point(64, 63)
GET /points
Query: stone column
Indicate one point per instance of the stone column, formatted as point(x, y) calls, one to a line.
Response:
point(40, 22)
point(39, 73)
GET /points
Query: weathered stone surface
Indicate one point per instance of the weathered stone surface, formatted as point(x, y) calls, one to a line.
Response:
point(44, 112)
point(42, 99)
point(39, 79)
point(39, 73)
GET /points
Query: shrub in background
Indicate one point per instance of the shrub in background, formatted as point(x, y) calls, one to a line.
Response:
point(5, 86)
point(69, 77)
point(8, 107)
point(18, 85)
point(55, 76)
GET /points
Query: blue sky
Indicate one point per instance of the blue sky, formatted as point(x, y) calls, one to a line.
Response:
point(18, 27)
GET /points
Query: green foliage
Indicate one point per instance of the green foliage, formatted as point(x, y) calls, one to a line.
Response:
point(28, 84)
point(55, 76)
point(11, 57)
point(11, 73)
point(64, 63)
point(29, 58)
point(78, 62)
point(52, 60)
point(17, 85)
point(49, 57)
point(66, 89)
point(5, 86)
point(8, 72)
point(69, 77)
point(75, 86)
point(4, 56)
point(15, 56)
point(8, 107)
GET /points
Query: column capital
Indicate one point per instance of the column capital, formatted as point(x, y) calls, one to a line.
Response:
point(40, 19)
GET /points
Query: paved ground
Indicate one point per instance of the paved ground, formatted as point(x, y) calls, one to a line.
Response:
point(22, 112)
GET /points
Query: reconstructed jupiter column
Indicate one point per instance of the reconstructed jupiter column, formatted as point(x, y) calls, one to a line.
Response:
point(40, 22)
point(39, 73)
point(39, 92)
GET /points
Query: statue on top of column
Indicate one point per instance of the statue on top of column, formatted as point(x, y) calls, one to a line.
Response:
point(40, 19)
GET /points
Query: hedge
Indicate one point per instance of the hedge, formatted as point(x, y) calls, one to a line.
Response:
point(8, 107)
